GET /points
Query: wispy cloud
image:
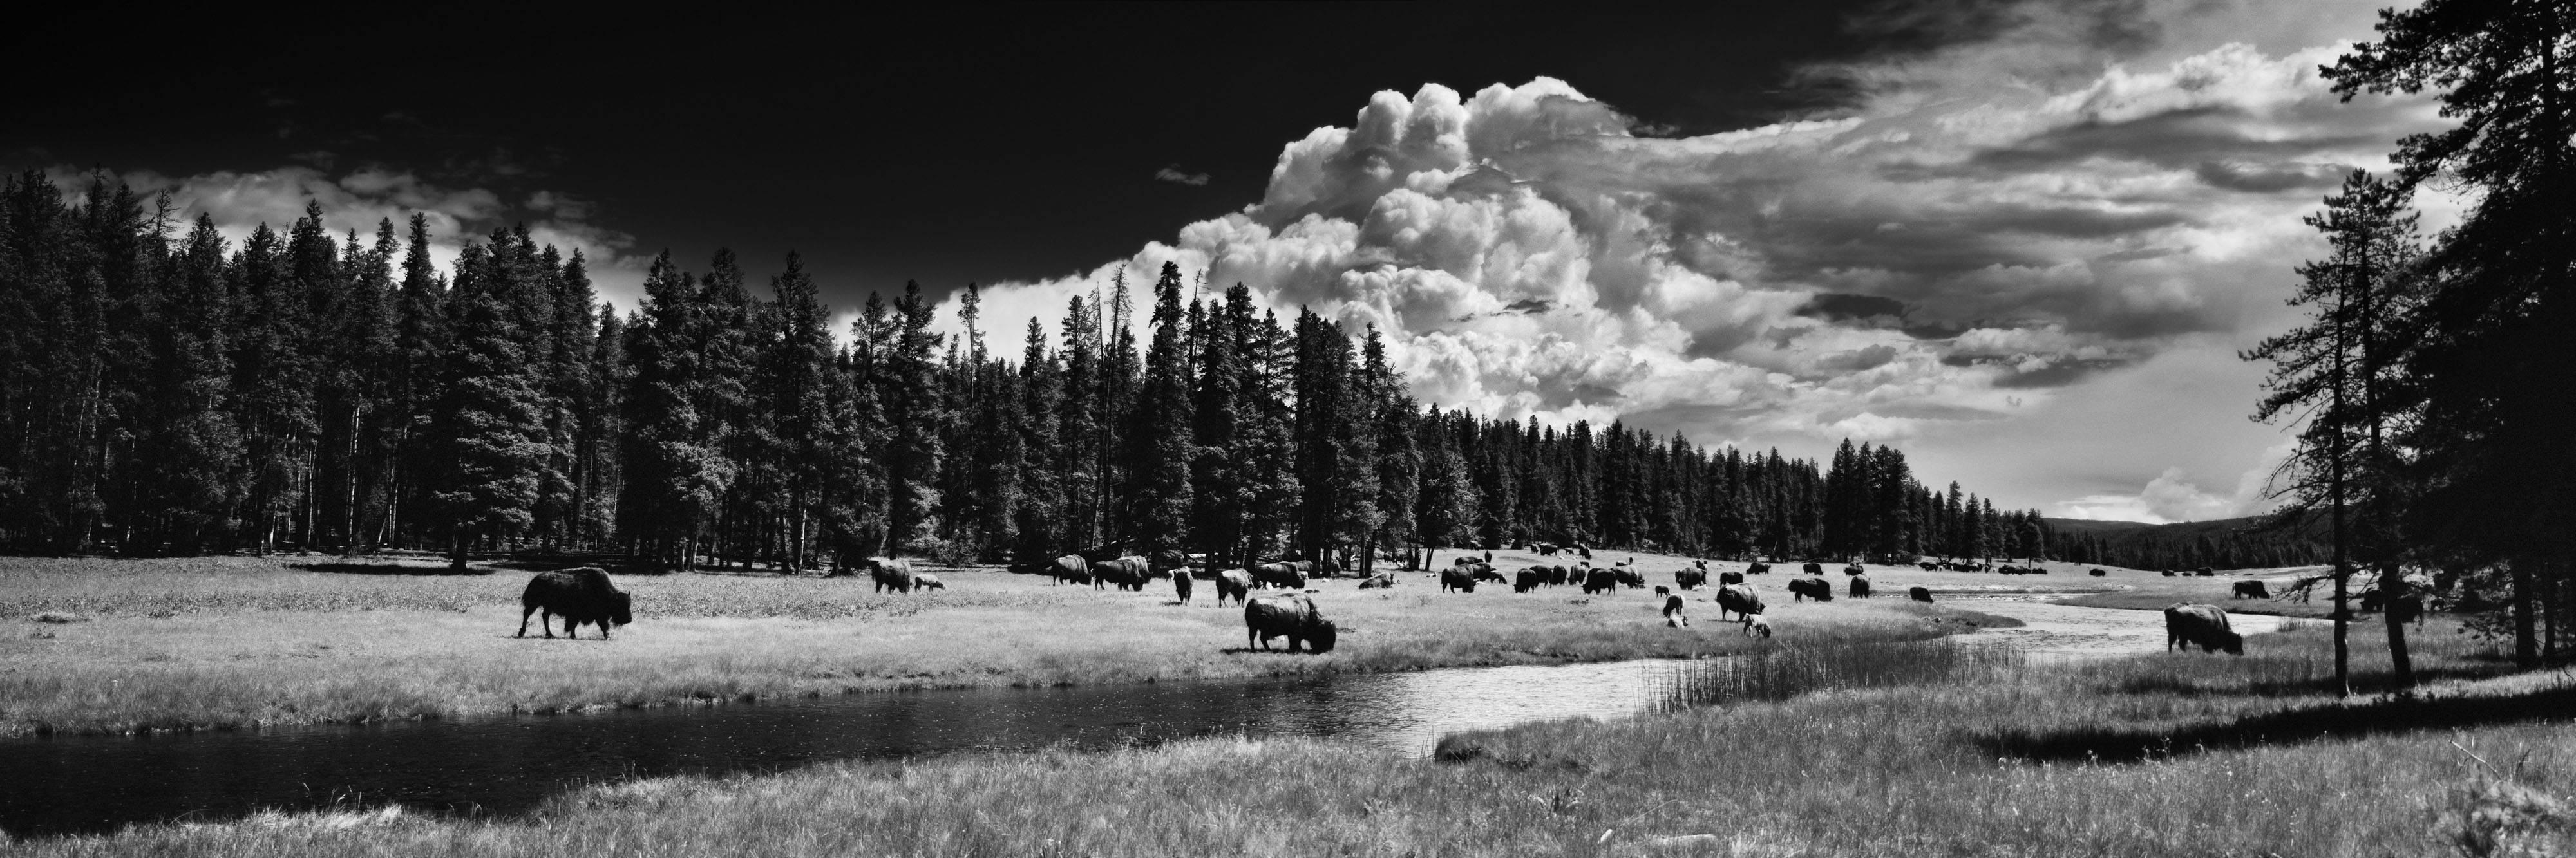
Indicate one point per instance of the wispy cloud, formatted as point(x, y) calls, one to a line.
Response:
point(1172, 173)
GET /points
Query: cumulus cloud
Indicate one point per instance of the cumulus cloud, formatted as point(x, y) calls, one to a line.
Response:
point(359, 199)
point(2171, 497)
point(2064, 194)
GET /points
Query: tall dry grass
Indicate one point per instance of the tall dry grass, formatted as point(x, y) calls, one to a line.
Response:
point(1908, 769)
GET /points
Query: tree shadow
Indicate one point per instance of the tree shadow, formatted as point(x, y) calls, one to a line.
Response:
point(439, 569)
point(2302, 724)
point(2370, 683)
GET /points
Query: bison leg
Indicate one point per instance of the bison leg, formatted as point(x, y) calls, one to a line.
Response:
point(1294, 641)
point(546, 622)
point(524, 611)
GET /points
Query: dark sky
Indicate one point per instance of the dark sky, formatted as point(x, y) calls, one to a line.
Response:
point(973, 143)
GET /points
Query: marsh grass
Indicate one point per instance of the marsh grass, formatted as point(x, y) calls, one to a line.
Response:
point(238, 642)
point(1902, 769)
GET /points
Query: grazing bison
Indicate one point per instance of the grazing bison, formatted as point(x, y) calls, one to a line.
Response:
point(1919, 594)
point(1758, 569)
point(1819, 589)
point(2206, 572)
point(1293, 617)
point(2098, 573)
point(1071, 568)
point(581, 595)
point(890, 574)
point(1757, 627)
point(927, 581)
point(1485, 572)
point(1813, 568)
point(1599, 581)
point(1629, 576)
point(1725, 578)
point(2251, 590)
point(1527, 580)
point(1181, 586)
point(1737, 599)
point(1125, 573)
point(1690, 579)
point(1457, 578)
point(2205, 625)
point(1560, 575)
point(1379, 581)
point(1233, 582)
point(1672, 606)
point(2169, 573)
point(1860, 587)
point(1285, 575)
point(1854, 569)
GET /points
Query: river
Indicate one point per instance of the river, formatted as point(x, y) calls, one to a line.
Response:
point(503, 765)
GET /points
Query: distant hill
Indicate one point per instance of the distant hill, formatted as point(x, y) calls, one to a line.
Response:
point(2227, 543)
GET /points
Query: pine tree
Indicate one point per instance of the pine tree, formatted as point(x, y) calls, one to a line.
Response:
point(492, 426)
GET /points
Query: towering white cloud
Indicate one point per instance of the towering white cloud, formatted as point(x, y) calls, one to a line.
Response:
point(1987, 232)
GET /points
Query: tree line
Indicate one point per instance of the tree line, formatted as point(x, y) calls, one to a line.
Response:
point(169, 392)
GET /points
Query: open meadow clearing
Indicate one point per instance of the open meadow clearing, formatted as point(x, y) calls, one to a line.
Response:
point(237, 642)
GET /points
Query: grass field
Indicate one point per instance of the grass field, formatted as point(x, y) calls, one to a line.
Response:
point(234, 642)
point(2157, 755)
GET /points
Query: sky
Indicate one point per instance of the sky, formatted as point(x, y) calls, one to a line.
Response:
point(2022, 241)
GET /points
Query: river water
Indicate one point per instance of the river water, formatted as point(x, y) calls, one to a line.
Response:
point(502, 765)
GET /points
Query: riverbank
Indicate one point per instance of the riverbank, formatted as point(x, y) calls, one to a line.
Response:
point(121, 646)
point(2154, 755)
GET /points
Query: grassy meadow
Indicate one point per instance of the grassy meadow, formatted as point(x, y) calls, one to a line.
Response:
point(118, 646)
point(2165, 754)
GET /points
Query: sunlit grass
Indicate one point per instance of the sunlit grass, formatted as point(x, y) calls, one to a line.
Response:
point(232, 642)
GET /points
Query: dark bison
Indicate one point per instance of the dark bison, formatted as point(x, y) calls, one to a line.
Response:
point(1527, 580)
point(2250, 590)
point(1485, 572)
point(1737, 599)
point(1690, 579)
point(2205, 625)
point(1629, 576)
point(1919, 594)
point(1379, 581)
point(2169, 573)
point(1725, 578)
point(1181, 586)
point(1854, 569)
point(1292, 616)
point(1546, 549)
point(1813, 568)
point(1235, 583)
point(579, 596)
point(927, 581)
point(1758, 569)
point(1560, 575)
point(2098, 573)
point(1283, 575)
point(2206, 572)
point(1672, 606)
point(1125, 573)
point(2408, 608)
point(1071, 568)
point(1819, 589)
point(1457, 578)
point(1860, 586)
point(1599, 581)
point(890, 574)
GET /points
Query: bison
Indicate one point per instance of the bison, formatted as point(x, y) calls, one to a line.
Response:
point(1236, 583)
point(1757, 627)
point(2168, 573)
point(1485, 572)
point(1071, 568)
point(927, 581)
point(1181, 586)
point(2098, 573)
point(1630, 577)
point(1725, 578)
point(2206, 572)
point(1819, 589)
point(1528, 579)
point(1919, 594)
point(1283, 575)
point(1672, 606)
point(1758, 569)
point(1126, 573)
point(581, 595)
point(1860, 586)
point(1813, 568)
point(1690, 579)
point(1457, 578)
point(1379, 581)
point(2205, 625)
point(1737, 599)
point(890, 574)
point(1853, 569)
point(1291, 616)
point(1599, 581)
point(2250, 590)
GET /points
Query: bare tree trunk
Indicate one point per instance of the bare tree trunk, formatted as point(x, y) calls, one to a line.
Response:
point(2526, 645)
